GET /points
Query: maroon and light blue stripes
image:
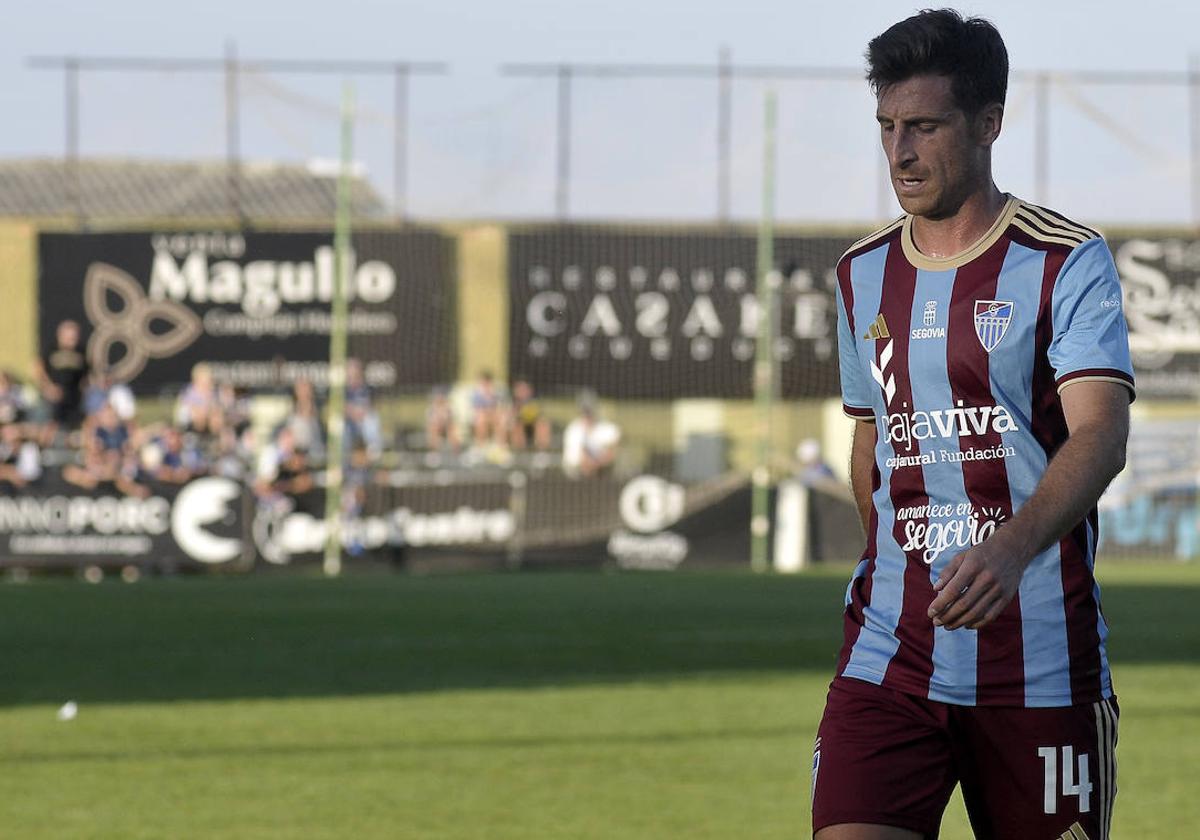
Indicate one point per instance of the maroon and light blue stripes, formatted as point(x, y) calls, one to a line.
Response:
point(1046, 649)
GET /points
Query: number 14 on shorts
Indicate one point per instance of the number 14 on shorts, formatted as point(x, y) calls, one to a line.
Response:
point(1074, 777)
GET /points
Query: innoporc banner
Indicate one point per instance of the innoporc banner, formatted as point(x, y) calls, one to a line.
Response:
point(667, 315)
point(254, 305)
point(54, 524)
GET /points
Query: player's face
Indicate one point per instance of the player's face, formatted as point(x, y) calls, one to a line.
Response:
point(937, 155)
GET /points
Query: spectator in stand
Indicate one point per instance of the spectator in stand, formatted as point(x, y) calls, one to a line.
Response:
point(101, 389)
point(304, 422)
point(487, 411)
point(441, 432)
point(13, 409)
point(589, 444)
point(199, 409)
point(813, 471)
point(529, 423)
point(234, 406)
point(60, 377)
point(282, 472)
point(362, 422)
point(108, 456)
point(20, 460)
point(178, 457)
point(234, 453)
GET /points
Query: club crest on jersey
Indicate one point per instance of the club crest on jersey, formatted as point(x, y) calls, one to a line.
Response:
point(992, 318)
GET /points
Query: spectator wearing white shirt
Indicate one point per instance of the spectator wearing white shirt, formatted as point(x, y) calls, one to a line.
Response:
point(589, 444)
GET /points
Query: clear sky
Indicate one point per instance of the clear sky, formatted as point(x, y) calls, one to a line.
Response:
point(483, 145)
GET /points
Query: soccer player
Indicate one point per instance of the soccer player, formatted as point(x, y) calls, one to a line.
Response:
point(985, 355)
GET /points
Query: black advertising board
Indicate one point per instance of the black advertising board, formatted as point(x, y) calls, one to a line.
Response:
point(663, 316)
point(53, 524)
point(431, 519)
point(254, 305)
point(650, 315)
point(1160, 281)
point(427, 514)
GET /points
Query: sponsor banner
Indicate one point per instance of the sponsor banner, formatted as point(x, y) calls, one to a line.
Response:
point(660, 316)
point(254, 305)
point(56, 524)
point(647, 315)
point(1160, 280)
point(647, 522)
point(1155, 525)
point(424, 515)
point(1152, 508)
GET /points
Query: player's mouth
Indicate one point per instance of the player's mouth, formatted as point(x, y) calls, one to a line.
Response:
point(909, 185)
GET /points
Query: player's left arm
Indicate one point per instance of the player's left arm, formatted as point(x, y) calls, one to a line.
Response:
point(978, 584)
point(1094, 375)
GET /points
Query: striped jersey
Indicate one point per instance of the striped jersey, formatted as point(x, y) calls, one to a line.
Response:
point(960, 363)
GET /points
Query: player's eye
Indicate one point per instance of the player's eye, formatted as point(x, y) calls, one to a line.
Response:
point(926, 128)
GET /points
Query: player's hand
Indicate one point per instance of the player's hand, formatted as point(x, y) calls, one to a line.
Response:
point(978, 584)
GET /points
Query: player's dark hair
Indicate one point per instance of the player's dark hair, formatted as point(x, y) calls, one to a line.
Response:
point(970, 52)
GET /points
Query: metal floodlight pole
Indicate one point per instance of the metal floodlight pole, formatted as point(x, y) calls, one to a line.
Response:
point(233, 162)
point(563, 145)
point(1194, 132)
point(400, 141)
point(764, 373)
point(724, 133)
point(334, 475)
point(71, 102)
point(1041, 153)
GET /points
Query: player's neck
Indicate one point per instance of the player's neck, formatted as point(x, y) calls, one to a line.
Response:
point(950, 236)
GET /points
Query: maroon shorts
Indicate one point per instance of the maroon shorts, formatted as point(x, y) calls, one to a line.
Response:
point(887, 758)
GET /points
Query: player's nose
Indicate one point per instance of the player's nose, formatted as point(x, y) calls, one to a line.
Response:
point(901, 152)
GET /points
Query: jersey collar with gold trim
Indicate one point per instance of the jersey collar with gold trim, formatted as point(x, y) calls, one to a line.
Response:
point(986, 241)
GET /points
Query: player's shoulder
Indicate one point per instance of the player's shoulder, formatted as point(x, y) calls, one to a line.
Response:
point(873, 240)
point(1051, 229)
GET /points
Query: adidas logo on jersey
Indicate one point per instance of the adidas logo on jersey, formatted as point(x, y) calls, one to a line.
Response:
point(878, 329)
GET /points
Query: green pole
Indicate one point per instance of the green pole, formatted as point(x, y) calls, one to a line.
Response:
point(764, 366)
point(337, 346)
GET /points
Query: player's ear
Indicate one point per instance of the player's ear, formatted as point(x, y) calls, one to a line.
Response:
point(988, 123)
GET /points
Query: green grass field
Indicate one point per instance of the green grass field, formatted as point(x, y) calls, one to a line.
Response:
point(506, 706)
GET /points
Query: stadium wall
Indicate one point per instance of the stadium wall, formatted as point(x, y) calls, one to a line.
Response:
point(18, 296)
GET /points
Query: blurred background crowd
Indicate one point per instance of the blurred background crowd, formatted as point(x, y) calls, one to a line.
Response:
point(78, 420)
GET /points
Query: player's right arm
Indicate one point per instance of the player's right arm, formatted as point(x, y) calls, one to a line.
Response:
point(856, 400)
point(862, 468)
